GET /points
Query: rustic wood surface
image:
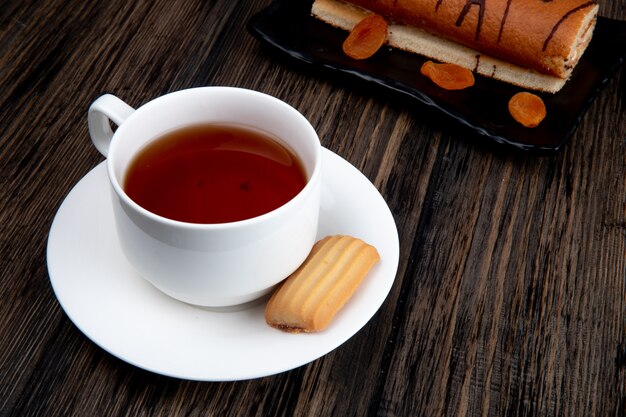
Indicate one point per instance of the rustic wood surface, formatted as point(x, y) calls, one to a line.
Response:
point(510, 297)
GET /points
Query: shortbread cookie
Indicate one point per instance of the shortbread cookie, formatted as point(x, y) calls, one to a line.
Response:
point(310, 297)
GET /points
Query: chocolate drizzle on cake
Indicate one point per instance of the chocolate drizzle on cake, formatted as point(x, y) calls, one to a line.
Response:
point(477, 63)
point(481, 13)
point(562, 19)
point(503, 21)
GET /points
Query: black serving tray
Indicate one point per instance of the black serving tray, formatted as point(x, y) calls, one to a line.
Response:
point(288, 26)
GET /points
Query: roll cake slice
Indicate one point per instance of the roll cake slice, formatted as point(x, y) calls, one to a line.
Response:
point(534, 44)
point(309, 298)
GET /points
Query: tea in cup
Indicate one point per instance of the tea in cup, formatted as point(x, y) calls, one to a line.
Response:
point(216, 190)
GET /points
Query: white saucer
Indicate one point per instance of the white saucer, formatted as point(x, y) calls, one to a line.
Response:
point(132, 320)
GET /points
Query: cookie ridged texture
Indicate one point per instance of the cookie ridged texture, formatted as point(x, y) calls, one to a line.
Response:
point(310, 297)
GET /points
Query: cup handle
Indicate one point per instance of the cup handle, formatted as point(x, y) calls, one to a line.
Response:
point(102, 112)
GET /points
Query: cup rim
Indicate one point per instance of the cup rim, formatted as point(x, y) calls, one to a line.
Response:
point(312, 181)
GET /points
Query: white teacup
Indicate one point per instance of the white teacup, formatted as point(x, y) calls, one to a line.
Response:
point(212, 265)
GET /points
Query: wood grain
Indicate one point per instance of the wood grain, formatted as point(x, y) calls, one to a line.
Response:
point(510, 297)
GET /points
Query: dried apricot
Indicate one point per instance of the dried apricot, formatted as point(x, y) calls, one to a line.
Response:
point(527, 108)
point(366, 37)
point(448, 76)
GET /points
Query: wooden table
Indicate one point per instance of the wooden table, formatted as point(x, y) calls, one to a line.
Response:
point(510, 297)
